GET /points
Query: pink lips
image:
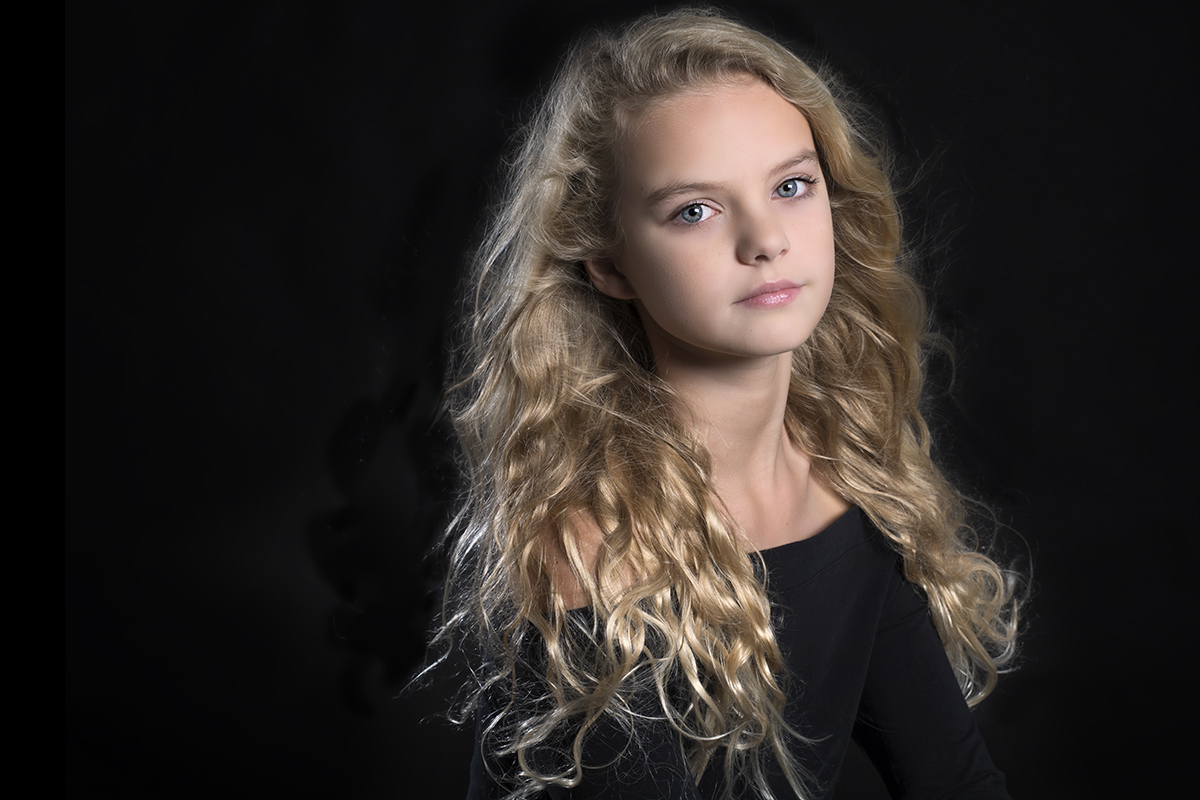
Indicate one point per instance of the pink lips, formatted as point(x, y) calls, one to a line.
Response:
point(771, 294)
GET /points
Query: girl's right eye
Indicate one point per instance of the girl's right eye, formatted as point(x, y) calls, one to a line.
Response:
point(696, 212)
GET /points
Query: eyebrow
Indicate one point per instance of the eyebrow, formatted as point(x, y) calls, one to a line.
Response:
point(671, 190)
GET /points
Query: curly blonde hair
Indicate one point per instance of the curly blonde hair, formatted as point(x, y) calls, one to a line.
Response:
point(559, 413)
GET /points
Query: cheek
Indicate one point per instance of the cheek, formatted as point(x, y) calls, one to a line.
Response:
point(820, 244)
point(648, 268)
point(673, 282)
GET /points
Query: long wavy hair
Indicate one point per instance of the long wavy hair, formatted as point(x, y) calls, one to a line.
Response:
point(561, 417)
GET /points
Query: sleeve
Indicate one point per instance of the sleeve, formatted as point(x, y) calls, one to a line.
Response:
point(913, 722)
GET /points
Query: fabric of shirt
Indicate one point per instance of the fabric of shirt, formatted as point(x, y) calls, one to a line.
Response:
point(865, 662)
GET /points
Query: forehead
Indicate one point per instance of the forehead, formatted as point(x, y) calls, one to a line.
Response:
point(715, 133)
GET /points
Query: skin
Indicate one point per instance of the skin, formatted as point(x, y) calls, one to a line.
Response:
point(721, 197)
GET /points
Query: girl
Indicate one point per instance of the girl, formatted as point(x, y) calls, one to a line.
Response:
point(703, 543)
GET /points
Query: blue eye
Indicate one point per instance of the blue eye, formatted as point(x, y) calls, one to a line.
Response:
point(696, 212)
point(789, 188)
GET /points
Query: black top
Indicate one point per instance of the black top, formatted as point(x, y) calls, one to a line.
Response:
point(866, 663)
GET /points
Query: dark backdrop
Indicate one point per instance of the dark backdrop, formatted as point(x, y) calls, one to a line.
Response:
point(267, 206)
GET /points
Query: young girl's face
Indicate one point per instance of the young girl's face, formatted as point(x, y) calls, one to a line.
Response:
point(727, 233)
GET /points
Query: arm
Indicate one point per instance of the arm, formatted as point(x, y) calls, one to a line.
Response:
point(913, 721)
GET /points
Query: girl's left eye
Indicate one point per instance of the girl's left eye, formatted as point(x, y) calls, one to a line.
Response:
point(793, 187)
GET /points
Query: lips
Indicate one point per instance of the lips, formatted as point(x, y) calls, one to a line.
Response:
point(771, 294)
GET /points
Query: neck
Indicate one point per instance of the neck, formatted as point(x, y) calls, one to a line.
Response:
point(738, 407)
point(762, 477)
point(739, 412)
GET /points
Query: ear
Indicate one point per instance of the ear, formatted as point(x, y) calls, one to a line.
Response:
point(608, 279)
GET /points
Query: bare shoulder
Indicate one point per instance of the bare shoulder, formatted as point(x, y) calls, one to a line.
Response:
point(571, 554)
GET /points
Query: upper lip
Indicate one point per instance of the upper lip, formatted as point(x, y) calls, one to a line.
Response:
point(771, 286)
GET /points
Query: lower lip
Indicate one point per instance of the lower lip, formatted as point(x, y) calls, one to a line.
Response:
point(774, 299)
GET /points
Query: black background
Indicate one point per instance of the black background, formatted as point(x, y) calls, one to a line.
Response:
point(267, 208)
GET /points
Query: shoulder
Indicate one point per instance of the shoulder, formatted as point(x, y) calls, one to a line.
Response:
point(572, 550)
point(849, 551)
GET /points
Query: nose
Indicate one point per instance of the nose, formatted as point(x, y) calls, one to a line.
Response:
point(762, 237)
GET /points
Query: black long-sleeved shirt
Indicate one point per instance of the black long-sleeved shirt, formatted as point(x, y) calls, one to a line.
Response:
point(866, 663)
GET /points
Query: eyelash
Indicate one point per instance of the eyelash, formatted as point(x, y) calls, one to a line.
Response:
point(808, 180)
